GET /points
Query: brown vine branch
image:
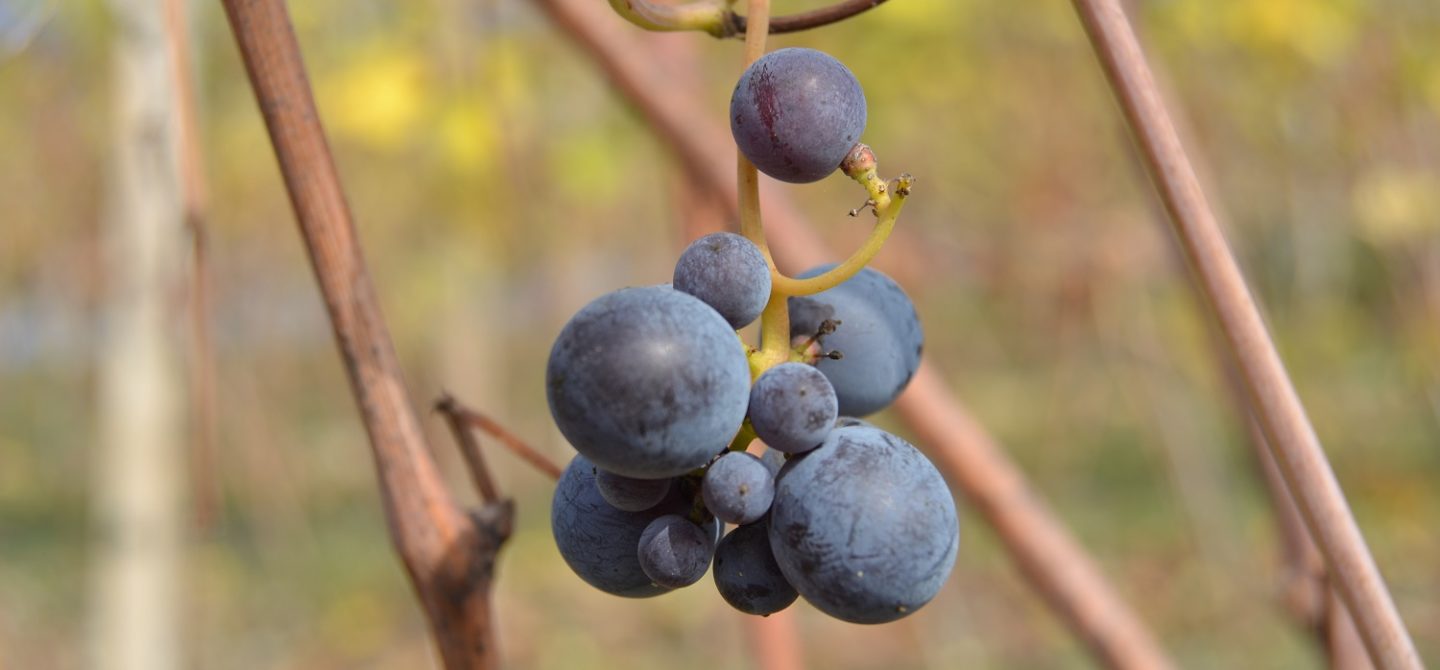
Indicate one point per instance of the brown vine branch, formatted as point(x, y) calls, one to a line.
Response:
point(775, 641)
point(1050, 559)
point(469, 448)
point(449, 554)
point(815, 18)
point(1272, 396)
point(1305, 588)
point(453, 408)
point(1305, 591)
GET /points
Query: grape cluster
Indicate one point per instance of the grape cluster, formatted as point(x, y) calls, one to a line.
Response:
point(651, 386)
point(660, 397)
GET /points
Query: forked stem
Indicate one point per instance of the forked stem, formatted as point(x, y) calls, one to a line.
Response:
point(886, 207)
point(860, 165)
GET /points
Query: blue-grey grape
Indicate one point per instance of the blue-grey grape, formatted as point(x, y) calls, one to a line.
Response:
point(878, 338)
point(738, 488)
point(628, 493)
point(792, 407)
point(674, 552)
point(648, 382)
point(599, 542)
point(774, 459)
point(864, 526)
point(795, 113)
point(746, 573)
point(728, 273)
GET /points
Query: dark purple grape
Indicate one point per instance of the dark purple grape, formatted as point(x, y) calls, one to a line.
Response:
point(648, 382)
point(864, 526)
point(795, 113)
point(597, 541)
point(738, 488)
point(630, 494)
point(878, 338)
point(792, 407)
point(674, 552)
point(728, 273)
point(746, 573)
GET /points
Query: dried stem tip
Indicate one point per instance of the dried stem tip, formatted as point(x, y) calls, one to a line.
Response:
point(858, 161)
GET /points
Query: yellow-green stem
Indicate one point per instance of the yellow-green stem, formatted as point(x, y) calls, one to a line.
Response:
point(857, 261)
point(704, 15)
point(774, 332)
point(775, 320)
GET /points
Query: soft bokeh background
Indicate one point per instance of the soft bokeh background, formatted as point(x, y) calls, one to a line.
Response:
point(499, 185)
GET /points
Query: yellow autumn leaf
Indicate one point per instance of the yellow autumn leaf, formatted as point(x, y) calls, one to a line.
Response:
point(469, 135)
point(378, 99)
point(1394, 206)
point(1318, 30)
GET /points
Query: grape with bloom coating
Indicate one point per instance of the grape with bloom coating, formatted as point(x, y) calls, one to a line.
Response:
point(648, 382)
point(864, 526)
point(792, 407)
point(878, 337)
point(796, 113)
point(738, 488)
point(599, 542)
point(774, 459)
point(728, 273)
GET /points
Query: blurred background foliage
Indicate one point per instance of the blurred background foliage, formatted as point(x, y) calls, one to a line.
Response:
point(499, 185)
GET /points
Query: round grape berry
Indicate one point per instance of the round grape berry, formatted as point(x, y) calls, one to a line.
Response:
point(738, 488)
point(796, 113)
point(674, 552)
point(792, 407)
point(864, 526)
point(648, 382)
point(878, 338)
point(746, 573)
point(599, 542)
point(728, 273)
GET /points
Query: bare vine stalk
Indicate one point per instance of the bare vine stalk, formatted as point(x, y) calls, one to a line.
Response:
point(1276, 405)
point(448, 552)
